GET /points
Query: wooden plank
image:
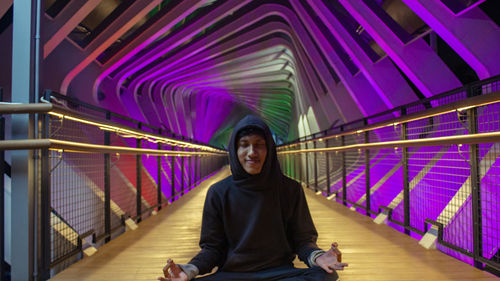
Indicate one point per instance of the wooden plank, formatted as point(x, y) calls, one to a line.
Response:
point(374, 252)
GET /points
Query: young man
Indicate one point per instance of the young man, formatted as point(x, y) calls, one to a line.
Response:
point(256, 221)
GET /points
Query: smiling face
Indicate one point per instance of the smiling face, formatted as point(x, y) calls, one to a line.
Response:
point(252, 152)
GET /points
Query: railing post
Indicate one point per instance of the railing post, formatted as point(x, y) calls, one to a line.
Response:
point(158, 163)
point(344, 172)
point(2, 202)
point(307, 166)
point(195, 170)
point(367, 174)
point(285, 162)
point(327, 167)
point(301, 168)
point(172, 176)
point(476, 191)
point(107, 186)
point(406, 176)
point(290, 165)
point(138, 166)
point(45, 199)
point(315, 168)
point(295, 170)
point(201, 167)
point(190, 180)
point(285, 169)
point(182, 171)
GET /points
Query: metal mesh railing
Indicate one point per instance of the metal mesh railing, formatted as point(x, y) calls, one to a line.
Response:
point(77, 199)
point(82, 212)
point(97, 176)
point(426, 171)
point(490, 200)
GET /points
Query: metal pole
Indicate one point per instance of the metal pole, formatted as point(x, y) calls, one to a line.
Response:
point(107, 185)
point(204, 167)
point(2, 204)
point(476, 191)
point(195, 170)
point(138, 166)
point(201, 168)
point(190, 159)
point(301, 173)
point(367, 174)
point(182, 171)
point(24, 88)
point(307, 167)
point(344, 173)
point(45, 199)
point(289, 171)
point(284, 164)
point(327, 165)
point(172, 176)
point(315, 168)
point(158, 161)
point(406, 176)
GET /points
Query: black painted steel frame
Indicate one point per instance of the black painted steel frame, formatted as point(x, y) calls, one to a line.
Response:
point(2, 188)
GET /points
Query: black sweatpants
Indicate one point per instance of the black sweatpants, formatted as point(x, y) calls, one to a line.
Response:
point(282, 273)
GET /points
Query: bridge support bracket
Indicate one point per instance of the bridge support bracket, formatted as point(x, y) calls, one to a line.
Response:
point(90, 249)
point(130, 224)
point(382, 217)
point(428, 241)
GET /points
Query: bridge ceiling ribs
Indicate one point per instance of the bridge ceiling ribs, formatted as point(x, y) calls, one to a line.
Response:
point(196, 67)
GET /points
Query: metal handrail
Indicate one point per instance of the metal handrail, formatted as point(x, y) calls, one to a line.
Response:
point(451, 107)
point(10, 108)
point(93, 148)
point(24, 144)
point(462, 139)
point(22, 108)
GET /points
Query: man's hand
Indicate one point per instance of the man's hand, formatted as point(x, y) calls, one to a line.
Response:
point(331, 259)
point(173, 272)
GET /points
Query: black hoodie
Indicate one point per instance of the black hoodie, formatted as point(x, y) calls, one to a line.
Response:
point(254, 222)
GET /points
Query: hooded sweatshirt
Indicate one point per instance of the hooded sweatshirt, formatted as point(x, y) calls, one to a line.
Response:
point(254, 222)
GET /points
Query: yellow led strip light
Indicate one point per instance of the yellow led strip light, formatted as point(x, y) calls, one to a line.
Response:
point(137, 134)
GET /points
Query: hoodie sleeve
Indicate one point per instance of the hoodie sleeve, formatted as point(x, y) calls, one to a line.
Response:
point(212, 238)
point(304, 234)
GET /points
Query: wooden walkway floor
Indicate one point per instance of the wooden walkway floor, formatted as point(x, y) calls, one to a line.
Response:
point(374, 252)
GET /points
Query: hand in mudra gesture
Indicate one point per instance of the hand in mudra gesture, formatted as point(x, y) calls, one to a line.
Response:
point(331, 259)
point(173, 272)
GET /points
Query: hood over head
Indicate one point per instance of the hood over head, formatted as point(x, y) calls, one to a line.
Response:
point(271, 171)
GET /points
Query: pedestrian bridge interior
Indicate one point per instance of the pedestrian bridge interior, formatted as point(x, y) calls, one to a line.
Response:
point(116, 114)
